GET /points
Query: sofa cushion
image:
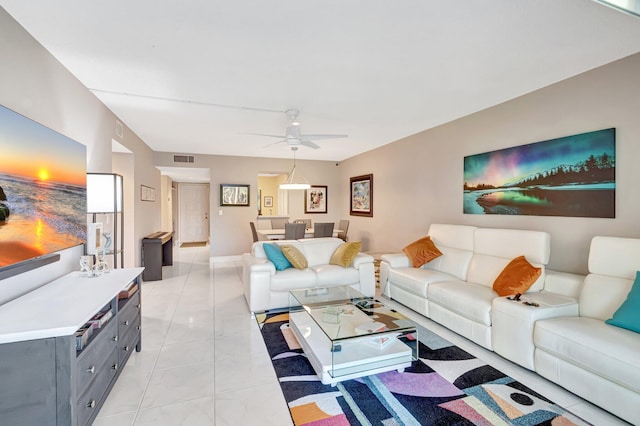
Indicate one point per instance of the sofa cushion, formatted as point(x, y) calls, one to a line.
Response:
point(293, 278)
point(416, 280)
point(257, 248)
point(628, 314)
point(510, 243)
point(318, 251)
point(602, 295)
point(421, 251)
point(294, 256)
point(614, 256)
point(275, 256)
point(345, 253)
point(335, 275)
point(472, 301)
point(456, 244)
point(607, 351)
point(516, 277)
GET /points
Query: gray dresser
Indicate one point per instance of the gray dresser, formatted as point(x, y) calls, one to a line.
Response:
point(44, 380)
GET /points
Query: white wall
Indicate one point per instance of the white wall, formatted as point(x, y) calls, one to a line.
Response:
point(418, 180)
point(166, 204)
point(123, 164)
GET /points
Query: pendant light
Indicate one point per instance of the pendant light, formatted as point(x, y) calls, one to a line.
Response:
point(291, 183)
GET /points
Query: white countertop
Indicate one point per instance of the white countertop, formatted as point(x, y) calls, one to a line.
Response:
point(62, 306)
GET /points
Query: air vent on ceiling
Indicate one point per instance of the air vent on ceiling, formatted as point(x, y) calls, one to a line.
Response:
point(183, 158)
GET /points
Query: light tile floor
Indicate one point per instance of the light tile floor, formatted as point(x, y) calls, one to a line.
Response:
point(203, 361)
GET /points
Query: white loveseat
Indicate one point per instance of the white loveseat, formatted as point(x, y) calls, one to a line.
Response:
point(595, 360)
point(265, 288)
point(455, 289)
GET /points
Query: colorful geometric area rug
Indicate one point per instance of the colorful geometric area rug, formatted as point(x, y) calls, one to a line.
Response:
point(446, 386)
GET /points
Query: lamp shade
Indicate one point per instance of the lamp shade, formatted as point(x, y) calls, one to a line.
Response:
point(292, 182)
point(104, 193)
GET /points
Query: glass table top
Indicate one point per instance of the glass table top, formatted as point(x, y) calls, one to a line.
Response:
point(344, 313)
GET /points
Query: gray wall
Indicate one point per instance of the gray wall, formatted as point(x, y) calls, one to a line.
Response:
point(230, 232)
point(418, 180)
point(34, 84)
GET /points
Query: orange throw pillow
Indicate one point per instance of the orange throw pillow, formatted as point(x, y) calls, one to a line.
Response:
point(516, 277)
point(421, 252)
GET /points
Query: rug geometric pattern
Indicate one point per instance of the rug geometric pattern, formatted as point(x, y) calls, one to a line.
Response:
point(446, 386)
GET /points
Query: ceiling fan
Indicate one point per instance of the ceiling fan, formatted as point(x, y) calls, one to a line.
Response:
point(293, 135)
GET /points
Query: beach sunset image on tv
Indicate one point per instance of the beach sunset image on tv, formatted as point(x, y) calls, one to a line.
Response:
point(42, 190)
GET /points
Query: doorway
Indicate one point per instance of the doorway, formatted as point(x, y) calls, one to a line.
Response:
point(193, 213)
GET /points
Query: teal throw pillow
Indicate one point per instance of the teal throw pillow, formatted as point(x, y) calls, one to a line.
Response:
point(628, 314)
point(275, 255)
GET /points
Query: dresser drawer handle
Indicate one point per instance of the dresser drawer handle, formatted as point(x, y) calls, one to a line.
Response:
point(114, 366)
point(138, 305)
point(138, 328)
point(125, 322)
point(91, 369)
point(92, 404)
point(115, 338)
point(126, 348)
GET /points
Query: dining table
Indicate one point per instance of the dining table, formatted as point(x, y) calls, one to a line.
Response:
point(278, 234)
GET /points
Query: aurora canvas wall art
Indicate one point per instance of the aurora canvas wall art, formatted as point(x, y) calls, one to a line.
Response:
point(569, 176)
point(42, 190)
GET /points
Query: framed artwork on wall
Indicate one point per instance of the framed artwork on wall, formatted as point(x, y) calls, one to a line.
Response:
point(573, 176)
point(315, 199)
point(234, 195)
point(362, 196)
point(268, 201)
point(147, 193)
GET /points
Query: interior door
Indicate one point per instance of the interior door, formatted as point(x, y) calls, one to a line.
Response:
point(194, 212)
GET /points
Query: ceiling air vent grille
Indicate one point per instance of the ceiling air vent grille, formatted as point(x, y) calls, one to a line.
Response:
point(183, 158)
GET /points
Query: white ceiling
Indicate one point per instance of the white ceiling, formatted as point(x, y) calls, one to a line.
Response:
point(191, 76)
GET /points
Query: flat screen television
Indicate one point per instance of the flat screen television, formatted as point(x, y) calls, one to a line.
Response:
point(43, 195)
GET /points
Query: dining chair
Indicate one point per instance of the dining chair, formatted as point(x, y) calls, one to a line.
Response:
point(278, 223)
point(294, 231)
point(343, 227)
point(253, 231)
point(307, 222)
point(323, 230)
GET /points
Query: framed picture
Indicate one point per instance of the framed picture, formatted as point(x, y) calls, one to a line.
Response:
point(234, 195)
point(268, 201)
point(362, 196)
point(571, 176)
point(147, 193)
point(315, 199)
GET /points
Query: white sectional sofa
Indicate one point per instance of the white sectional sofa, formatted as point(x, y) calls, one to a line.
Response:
point(265, 288)
point(564, 338)
point(595, 360)
point(455, 289)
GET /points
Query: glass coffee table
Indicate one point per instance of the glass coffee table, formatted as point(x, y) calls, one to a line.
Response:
point(347, 335)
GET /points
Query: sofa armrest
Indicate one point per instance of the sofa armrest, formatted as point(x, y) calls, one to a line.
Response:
point(256, 281)
point(396, 260)
point(361, 259)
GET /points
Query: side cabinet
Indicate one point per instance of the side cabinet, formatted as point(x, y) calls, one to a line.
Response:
point(46, 381)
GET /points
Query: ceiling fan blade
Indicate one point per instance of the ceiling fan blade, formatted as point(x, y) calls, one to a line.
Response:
point(309, 144)
point(320, 137)
point(262, 134)
point(275, 143)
